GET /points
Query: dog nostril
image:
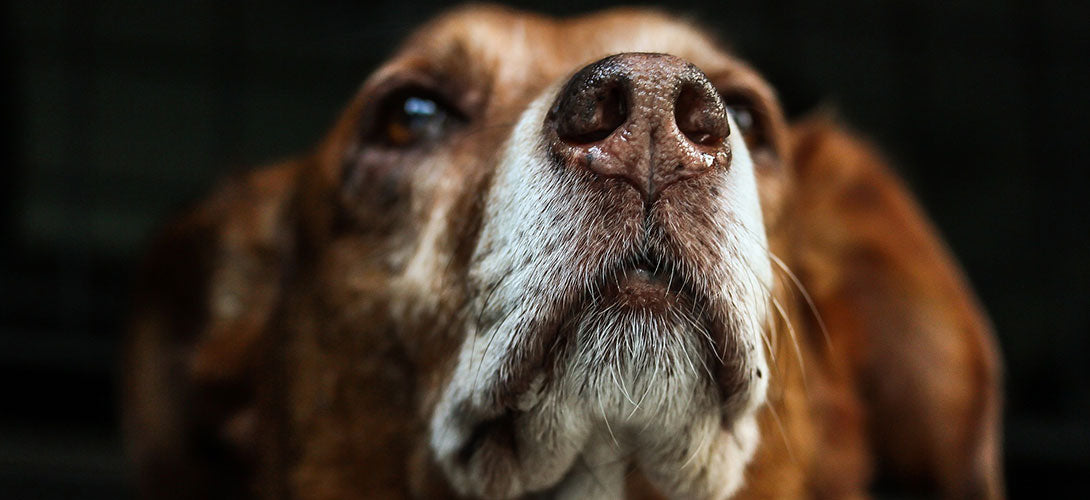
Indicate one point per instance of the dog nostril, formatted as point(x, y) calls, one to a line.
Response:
point(700, 116)
point(583, 122)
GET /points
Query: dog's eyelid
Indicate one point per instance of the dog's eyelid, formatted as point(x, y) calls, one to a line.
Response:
point(408, 112)
point(741, 99)
point(750, 116)
point(445, 88)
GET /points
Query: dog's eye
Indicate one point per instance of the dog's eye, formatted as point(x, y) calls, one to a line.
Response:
point(749, 119)
point(743, 118)
point(413, 118)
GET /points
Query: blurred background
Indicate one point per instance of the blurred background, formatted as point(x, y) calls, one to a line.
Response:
point(119, 113)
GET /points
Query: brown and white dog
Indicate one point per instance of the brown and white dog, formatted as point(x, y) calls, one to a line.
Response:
point(581, 258)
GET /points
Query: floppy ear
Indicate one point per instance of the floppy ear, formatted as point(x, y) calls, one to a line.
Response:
point(202, 304)
point(901, 315)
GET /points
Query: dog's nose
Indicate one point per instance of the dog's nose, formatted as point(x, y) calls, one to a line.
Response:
point(648, 119)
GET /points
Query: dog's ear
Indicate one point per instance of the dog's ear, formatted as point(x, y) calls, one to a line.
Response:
point(900, 315)
point(203, 301)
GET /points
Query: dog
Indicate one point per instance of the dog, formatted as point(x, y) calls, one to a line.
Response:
point(562, 258)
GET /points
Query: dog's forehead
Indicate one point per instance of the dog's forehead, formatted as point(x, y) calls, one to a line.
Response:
point(513, 51)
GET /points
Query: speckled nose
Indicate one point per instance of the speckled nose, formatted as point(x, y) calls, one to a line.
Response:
point(651, 120)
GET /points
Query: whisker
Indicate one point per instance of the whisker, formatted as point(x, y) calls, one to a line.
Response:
point(620, 383)
point(794, 281)
point(806, 296)
point(491, 338)
point(795, 342)
point(787, 321)
point(783, 434)
point(697, 449)
point(616, 443)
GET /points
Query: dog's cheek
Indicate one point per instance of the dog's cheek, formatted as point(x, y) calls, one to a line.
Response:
point(774, 186)
point(350, 395)
point(374, 323)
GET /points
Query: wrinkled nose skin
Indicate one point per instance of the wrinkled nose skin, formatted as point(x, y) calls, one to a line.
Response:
point(650, 120)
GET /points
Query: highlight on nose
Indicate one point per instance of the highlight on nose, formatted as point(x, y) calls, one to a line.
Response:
point(651, 120)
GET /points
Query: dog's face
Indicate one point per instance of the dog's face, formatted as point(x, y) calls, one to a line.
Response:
point(581, 198)
point(535, 255)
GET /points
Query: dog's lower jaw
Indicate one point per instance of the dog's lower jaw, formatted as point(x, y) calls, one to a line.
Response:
point(601, 414)
point(591, 458)
point(712, 472)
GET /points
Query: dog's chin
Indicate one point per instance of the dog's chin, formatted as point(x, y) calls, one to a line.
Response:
point(633, 383)
point(640, 338)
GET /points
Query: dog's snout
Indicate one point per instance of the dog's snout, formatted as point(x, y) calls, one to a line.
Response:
point(648, 119)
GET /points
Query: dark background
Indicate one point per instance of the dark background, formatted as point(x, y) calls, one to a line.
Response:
point(120, 112)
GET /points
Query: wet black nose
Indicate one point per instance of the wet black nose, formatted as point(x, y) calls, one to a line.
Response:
point(651, 120)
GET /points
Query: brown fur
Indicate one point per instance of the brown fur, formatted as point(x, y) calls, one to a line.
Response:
point(271, 355)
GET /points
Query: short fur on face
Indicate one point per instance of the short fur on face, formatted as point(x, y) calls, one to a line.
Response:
point(467, 315)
